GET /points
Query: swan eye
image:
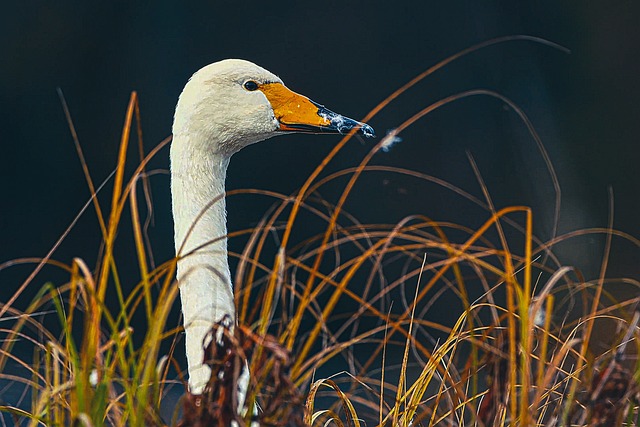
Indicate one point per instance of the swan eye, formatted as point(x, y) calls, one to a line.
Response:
point(250, 85)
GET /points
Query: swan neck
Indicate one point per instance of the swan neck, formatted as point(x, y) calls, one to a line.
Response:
point(197, 190)
point(198, 187)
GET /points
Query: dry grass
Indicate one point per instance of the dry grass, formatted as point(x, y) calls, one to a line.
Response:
point(355, 296)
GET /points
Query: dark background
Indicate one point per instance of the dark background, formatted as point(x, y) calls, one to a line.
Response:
point(348, 56)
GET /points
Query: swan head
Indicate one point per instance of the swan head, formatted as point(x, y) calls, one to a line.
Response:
point(233, 103)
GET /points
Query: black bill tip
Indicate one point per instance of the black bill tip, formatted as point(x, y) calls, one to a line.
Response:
point(344, 124)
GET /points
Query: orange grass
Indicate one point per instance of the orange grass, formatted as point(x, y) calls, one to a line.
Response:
point(381, 363)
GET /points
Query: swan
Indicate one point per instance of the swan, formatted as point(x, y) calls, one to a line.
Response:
point(223, 108)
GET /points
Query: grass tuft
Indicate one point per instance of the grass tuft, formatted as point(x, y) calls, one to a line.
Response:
point(338, 325)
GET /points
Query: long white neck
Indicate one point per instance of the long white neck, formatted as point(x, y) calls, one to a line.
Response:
point(197, 189)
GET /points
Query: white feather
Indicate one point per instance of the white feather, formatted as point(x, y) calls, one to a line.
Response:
point(215, 117)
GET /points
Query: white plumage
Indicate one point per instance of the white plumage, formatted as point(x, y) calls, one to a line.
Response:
point(224, 107)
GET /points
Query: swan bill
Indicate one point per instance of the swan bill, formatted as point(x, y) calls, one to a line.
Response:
point(297, 113)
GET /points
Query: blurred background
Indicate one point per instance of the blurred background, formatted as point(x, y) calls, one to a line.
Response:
point(348, 56)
